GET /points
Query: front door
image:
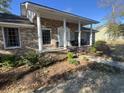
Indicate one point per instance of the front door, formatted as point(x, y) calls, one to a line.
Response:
point(61, 36)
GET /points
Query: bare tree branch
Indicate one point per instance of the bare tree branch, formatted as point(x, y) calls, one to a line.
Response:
point(5, 5)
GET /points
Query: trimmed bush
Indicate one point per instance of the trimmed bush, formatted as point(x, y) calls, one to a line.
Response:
point(102, 47)
point(45, 60)
point(93, 49)
point(8, 61)
point(99, 43)
point(30, 58)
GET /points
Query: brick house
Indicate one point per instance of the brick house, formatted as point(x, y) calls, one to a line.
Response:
point(42, 28)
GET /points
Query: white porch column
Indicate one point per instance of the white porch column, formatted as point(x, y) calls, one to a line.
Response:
point(91, 35)
point(39, 31)
point(65, 39)
point(79, 34)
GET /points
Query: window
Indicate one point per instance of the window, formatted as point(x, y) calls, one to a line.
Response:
point(46, 36)
point(11, 37)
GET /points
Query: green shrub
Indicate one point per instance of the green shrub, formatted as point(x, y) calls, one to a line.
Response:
point(93, 49)
point(71, 60)
point(99, 43)
point(70, 55)
point(45, 60)
point(30, 58)
point(102, 47)
point(8, 61)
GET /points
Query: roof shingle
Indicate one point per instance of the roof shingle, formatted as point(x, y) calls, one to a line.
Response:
point(11, 18)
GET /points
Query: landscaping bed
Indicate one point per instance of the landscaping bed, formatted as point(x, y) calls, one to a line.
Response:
point(118, 53)
point(32, 71)
point(96, 78)
point(24, 79)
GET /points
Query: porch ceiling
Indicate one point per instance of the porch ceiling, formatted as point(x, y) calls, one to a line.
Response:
point(51, 13)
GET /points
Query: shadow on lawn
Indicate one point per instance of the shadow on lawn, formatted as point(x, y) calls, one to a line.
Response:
point(96, 78)
point(8, 78)
point(118, 52)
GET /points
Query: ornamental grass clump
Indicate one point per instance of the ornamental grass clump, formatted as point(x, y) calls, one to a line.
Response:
point(70, 58)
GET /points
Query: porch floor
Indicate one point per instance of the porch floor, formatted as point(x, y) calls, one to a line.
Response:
point(84, 47)
point(54, 49)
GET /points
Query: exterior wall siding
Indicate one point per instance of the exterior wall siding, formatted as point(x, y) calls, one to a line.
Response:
point(54, 25)
point(29, 38)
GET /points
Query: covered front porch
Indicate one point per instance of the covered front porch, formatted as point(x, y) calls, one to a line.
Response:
point(55, 27)
point(64, 37)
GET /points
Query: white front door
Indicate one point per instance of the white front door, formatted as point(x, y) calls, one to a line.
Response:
point(68, 37)
point(61, 36)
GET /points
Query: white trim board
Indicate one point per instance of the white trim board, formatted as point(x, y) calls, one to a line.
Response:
point(5, 24)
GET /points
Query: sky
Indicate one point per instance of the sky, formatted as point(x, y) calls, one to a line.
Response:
point(85, 8)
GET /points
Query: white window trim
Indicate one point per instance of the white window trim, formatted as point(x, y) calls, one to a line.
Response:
point(4, 42)
point(44, 28)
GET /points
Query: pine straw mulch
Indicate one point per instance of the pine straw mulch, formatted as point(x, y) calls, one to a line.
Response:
point(24, 79)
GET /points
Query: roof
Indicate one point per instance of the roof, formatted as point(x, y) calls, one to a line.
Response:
point(61, 12)
point(11, 18)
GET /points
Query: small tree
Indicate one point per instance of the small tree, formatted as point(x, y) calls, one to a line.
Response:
point(114, 18)
point(113, 30)
point(4, 6)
